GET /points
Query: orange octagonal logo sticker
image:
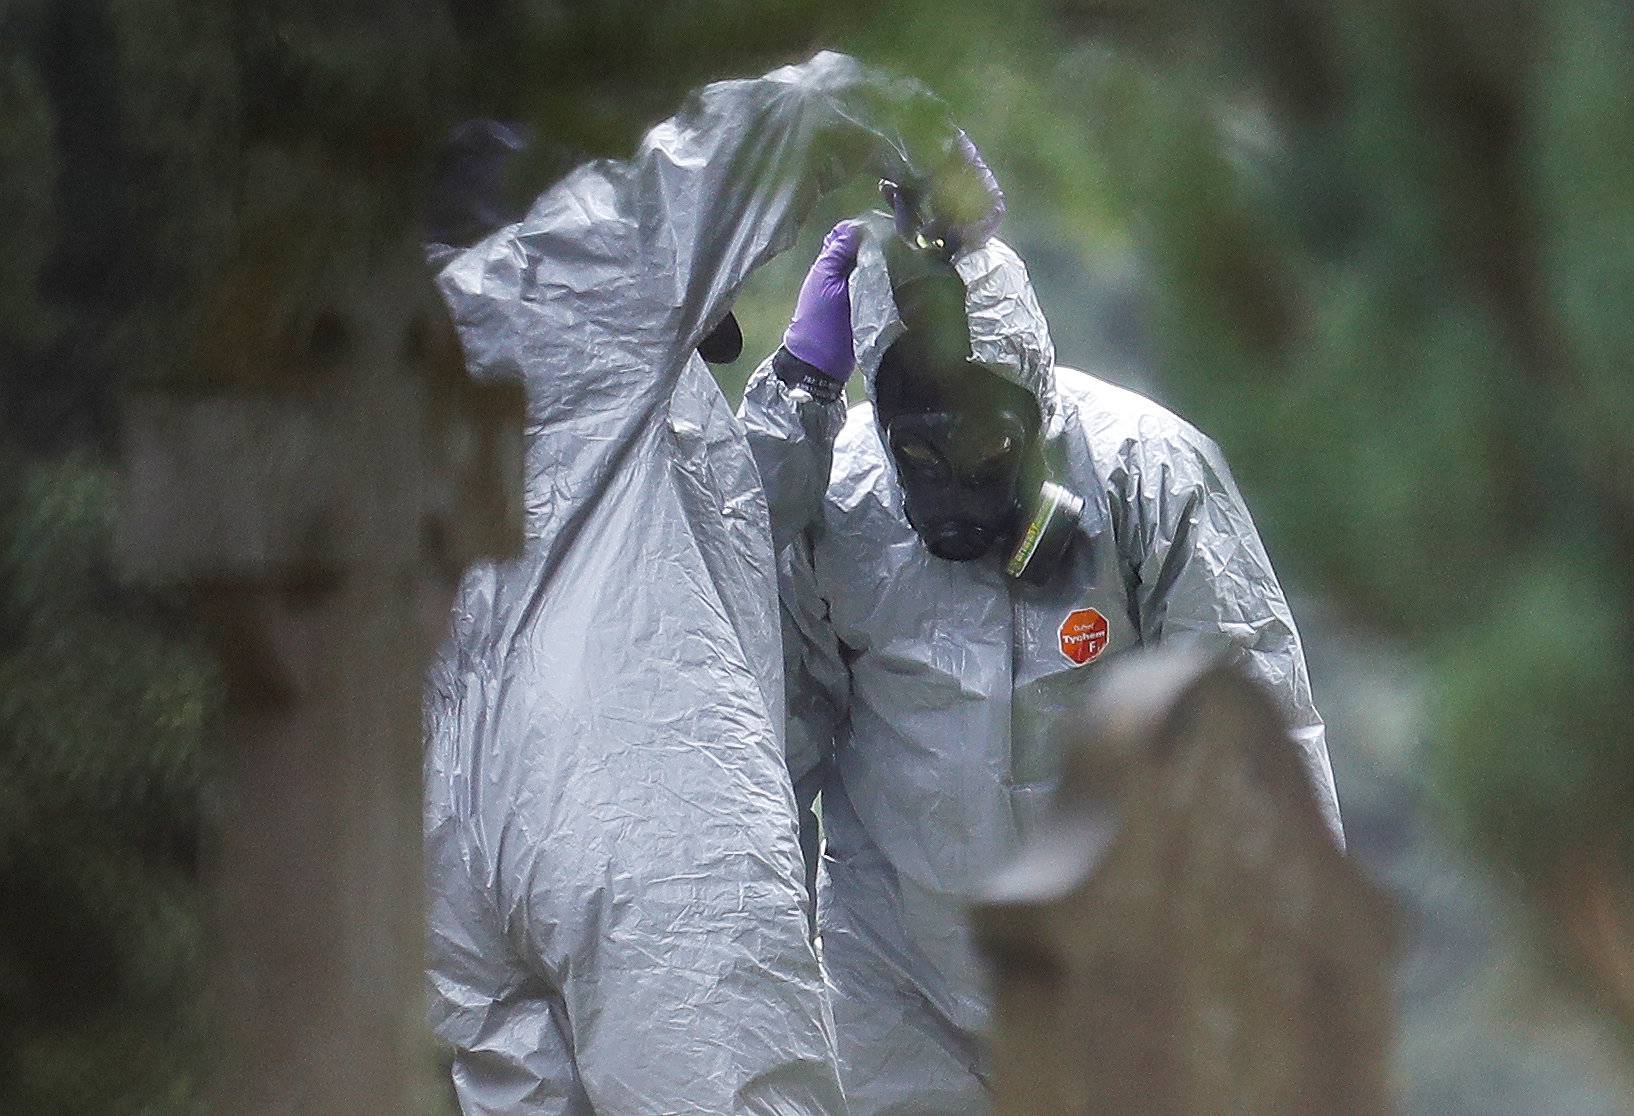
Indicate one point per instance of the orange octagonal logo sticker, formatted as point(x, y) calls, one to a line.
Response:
point(1083, 635)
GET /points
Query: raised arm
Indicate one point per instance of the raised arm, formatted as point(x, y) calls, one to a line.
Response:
point(723, 186)
point(597, 299)
point(655, 248)
point(794, 404)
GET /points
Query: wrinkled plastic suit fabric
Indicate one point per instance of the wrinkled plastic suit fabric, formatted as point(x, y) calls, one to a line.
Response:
point(925, 696)
point(618, 909)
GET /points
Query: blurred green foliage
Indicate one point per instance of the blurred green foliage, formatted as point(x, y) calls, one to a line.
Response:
point(1389, 252)
point(105, 700)
point(1391, 249)
point(106, 696)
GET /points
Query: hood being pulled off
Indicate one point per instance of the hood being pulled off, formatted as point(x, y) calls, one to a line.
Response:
point(1007, 329)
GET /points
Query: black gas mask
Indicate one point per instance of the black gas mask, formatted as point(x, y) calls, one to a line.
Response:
point(960, 470)
point(965, 441)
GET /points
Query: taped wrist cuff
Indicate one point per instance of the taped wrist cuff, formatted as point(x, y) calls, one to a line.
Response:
point(796, 373)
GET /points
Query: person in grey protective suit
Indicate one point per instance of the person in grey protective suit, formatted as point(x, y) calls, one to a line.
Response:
point(618, 916)
point(957, 555)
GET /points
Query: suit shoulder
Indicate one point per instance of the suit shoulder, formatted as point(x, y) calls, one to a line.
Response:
point(1118, 419)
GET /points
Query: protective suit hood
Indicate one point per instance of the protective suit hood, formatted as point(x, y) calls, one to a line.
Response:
point(1007, 329)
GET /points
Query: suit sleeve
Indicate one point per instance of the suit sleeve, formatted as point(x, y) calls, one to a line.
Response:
point(791, 434)
point(598, 298)
point(724, 186)
point(1201, 576)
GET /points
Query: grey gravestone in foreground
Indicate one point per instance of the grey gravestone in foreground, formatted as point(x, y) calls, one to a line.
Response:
point(1183, 935)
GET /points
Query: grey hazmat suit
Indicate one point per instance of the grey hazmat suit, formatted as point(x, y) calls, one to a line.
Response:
point(924, 695)
point(618, 916)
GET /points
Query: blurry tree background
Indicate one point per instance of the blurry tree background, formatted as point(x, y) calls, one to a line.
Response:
point(1383, 252)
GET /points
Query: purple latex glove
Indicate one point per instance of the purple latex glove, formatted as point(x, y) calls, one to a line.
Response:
point(966, 205)
point(820, 331)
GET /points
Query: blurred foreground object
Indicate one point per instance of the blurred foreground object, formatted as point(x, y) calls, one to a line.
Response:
point(1182, 934)
point(322, 493)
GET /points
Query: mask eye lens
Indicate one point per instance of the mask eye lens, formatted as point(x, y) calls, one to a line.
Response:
point(917, 455)
point(996, 452)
